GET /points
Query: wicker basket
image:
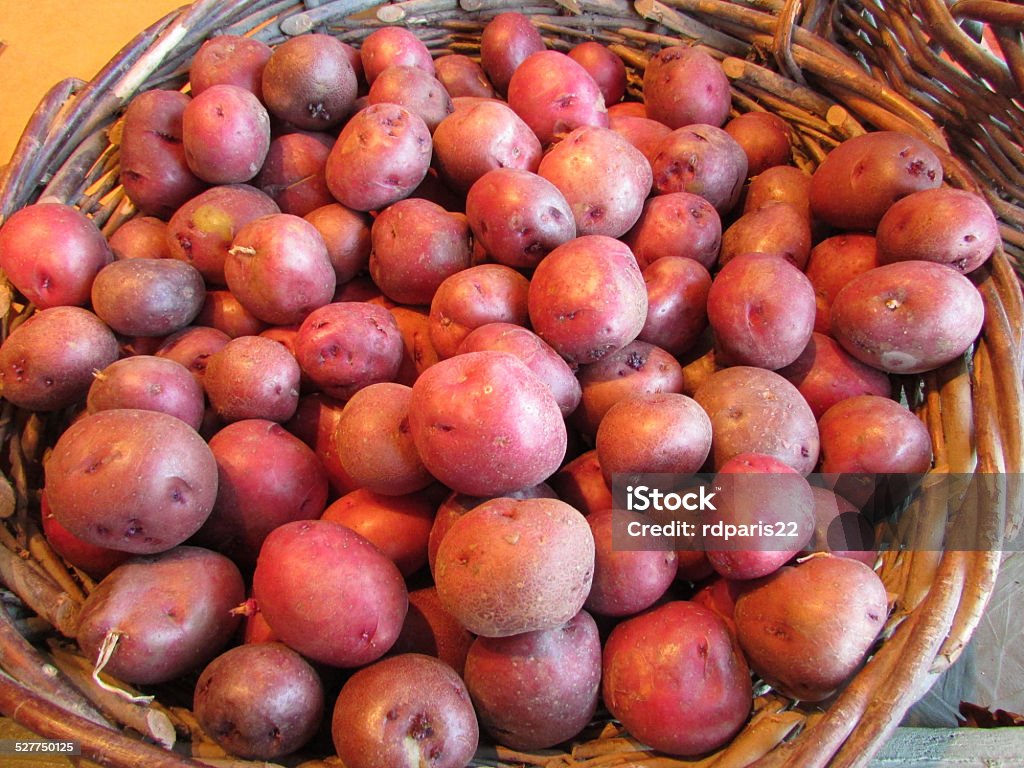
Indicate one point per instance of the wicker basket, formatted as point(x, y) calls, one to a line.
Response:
point(832, 69)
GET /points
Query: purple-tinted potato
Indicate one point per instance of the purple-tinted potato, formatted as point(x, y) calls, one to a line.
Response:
point(148, 297)
point(875, 435)
point(684, 85)
point(293, 173)
point(702, 159)
point(908, 316)
point(841, 529)
point(154, 172)
point(518, 217)
point(781, 229)
point(429, 717)
point(761, 311)
point(143, 237)
point(346, 234)
point(607, 69)
point(381, 155)
point(416, 90)
point(554, 95)
point(440, 239)
point(603, 177)
point(150, 383)
point(169, 613)
point(483, 137)
point(328, 593)
point(764, 136)
point(201, 230)
point(833, 263)
point(225, 132)
point(52, 252)
point(462, 76)
point(510, 566)
point(484, 424)
point(855, 184)
point(129, 479)
point(47, 362)
point(309, 82)
point(676, 224)
point(587, 298)
point(754, 410)
point(252, 377)
point(955, 227)
point(677, 300)
point(642, 132)
point(232, 59)
point(393, 46)
point(192, 347)
point(507, 41)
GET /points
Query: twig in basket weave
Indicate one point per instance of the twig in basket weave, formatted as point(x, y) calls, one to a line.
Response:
point(39, 592)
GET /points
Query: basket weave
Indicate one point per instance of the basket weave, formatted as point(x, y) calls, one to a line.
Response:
point(833, 70)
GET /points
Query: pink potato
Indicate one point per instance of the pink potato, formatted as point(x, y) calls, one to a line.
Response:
point(143, 237)
point(702, 695)
point(510, 566)
point(51, 253)
point(233, 59)
point(476, 296)
point(346, 234)
point(406, 711)
point(415, 89)
point(374, 443)
point(833, 263)
point(704, 160)
point(681, 224)
point(382, 154)
point(192, 347)
point(603, 177)
point(677, 303)
point(224, 312)
point(163, 615)
point(267, 477)
point(684, 85)
point(908, 316)
point(480, 138)
point(393, 46)
point(580, 482)
point(148, 297)
point(47, 362)
point(462, 76)
point(642, 132)
point(154, 171)
point(587, 298)
point(781, 229)
point(484, 424)
point(150, 383)
point(607, 69)
point(252, 377)
point(429, 629)
point(293, 173)
point(518, 216)
point(328, 593)
point(129, 479)
point(764, 136)
point(309, 82)
point(873, 434)
point(536, 689)
point(225, 132)
point(856, 182)
point(761, 311)
point(554, 95)
point(439, 238)
point(507, 41)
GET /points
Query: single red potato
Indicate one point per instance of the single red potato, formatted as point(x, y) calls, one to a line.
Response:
point(764, 136)
point(607, 69)
point(463, 76)
point(681, 224)
point(684, 85)
point(253, 377)
point(143, 237)
point(702, 159)
point(393, 46)
point(833, 263)
point(677, 303)
point(415, 89)
point(507, 41)
point(233, 59)
point(431, 630)
point(225, 132)
point(151, 383)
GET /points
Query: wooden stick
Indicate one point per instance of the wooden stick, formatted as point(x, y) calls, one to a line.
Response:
point(39, 592)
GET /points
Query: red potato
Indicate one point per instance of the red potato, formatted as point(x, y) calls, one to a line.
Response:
point(580, 483)
point(587, 298)
point(684, 85)
point(825, 373)
point(781, 229)
point(462, 76)
point(833, 263)
point(875, 435)
point(328, 593)
point(607, 69)
point(518, 216)
point(155, 618)
point(407, 711)
point(232, 59)
point(192, 347)
point(702, 159)
point(309, 82)
point(154, 172)
point(950, 226)
point(47, 362)
point(440, 239)
point(144, 237)
point(416, 90)
point(603, 177)
point(703, 695)
point(840, 529)
point(346, 234)
point(677, 300)
point(484, 424)
point(51, 253)
point(764, 136)
point(266, 477)
point(780, 184)
point(537, 689)
point(201, 230)
point(225, 132)
point(224, 312)
point(554, 95)
point(510, 566)
point(343, 347)
point(474, 297)
point(429, 629)
point(397, 525)
point(93, 559)
point(642, 132)
point(754, 410)
point(761, 311)
point(855, 184)
point(627, 109)
point(374, 443)
point(538, 356)
point(393, 46)
point(681, 224)
point(382, 154)
point(507, 41)
point(252, 377)
point(907, 317)
point(418, 351)
point(148, 297)
point(483, 137)
point(314, 423)
point(293, 173)
point(259, 700)
point(150, 383)
point(129, 479)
